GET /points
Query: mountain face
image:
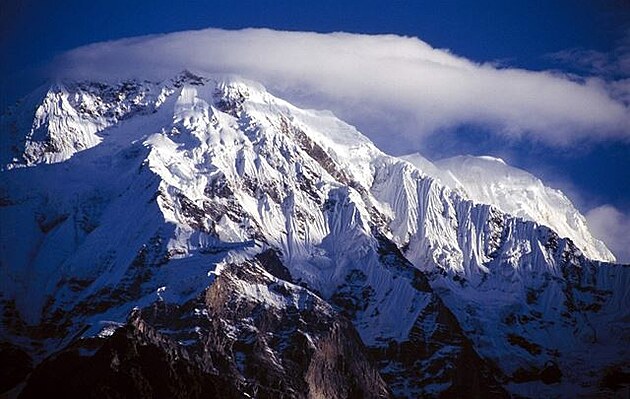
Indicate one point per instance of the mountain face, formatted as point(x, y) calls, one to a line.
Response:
point(198, 237)
point(490, 180)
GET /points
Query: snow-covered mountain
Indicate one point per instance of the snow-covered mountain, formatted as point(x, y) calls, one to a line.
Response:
point(489, 180)
point(271, 251)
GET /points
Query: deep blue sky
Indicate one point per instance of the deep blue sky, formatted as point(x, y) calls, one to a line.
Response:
point(516, 33)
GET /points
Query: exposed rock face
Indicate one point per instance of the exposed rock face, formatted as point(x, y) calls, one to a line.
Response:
point(135, 362)
point(290, 344)
point(294, 346)
point(275, 252)
point(257, 334)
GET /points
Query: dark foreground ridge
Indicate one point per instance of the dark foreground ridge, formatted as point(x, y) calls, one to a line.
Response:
point(240, 346)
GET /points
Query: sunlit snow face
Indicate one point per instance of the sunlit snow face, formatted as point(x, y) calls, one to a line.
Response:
point(400, 91)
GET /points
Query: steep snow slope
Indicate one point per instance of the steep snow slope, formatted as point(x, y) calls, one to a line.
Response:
point(527, 298)
point(490, 180)
point(169, 183)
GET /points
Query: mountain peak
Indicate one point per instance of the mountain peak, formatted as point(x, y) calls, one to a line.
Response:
point(490, 180)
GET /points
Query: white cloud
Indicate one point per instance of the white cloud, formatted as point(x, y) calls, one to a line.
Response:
point(389, 86)
point(613, 227)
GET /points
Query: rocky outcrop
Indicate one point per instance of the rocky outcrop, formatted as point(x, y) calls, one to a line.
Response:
point(297, 346)
point(283, 340)
point(135, 362)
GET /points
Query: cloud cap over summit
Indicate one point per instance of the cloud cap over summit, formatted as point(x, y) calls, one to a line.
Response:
point(385, 84)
